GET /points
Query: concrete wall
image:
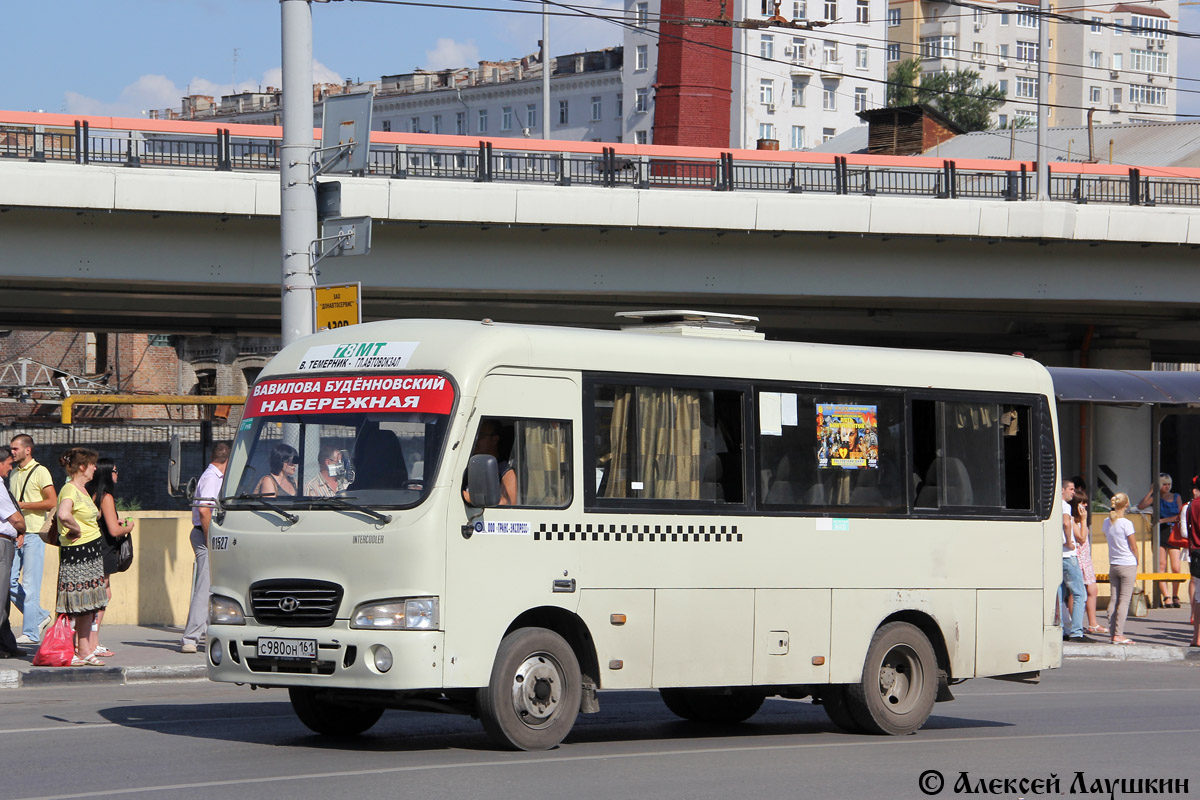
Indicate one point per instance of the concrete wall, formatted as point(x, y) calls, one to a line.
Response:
point(157, 588)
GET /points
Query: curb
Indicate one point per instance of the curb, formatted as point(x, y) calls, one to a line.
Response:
point(52, 676)
point(1131, 652)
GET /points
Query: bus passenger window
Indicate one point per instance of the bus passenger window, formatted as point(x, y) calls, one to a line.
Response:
point(971, 454)
point(534, 456)
point(669, 443)
point(831, 450)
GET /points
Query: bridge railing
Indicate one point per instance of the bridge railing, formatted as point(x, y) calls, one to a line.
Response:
point(194, 146)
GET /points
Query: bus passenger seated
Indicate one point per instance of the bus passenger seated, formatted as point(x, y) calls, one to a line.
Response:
point(331, 477)
point(379, 462)
point(282, 480)
point(487, 443)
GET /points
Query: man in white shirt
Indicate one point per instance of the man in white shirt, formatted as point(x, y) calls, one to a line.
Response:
point(12, 525)
point(203, 503)
point(1072, 582)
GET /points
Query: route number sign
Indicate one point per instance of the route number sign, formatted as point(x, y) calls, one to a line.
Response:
point(337, 306)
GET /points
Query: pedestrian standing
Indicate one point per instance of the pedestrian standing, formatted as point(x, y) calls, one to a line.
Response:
point(1072, 582)
point(112, 528)
point(33, 489)
point(12, 525)
point(1122, 566)
point(205, 499)
point(1169, 504)
point(81, 554)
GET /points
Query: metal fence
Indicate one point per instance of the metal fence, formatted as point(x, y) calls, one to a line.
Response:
point(486, 162)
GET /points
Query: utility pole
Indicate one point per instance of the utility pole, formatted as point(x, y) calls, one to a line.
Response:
point(297, 192)
point(1043, 166)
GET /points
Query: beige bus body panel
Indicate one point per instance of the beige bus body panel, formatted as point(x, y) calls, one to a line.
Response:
point(791, 636)
point(625, 650)
point(703, 637)
point(1005, 641)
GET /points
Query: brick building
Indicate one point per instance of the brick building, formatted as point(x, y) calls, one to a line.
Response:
point(138, 436)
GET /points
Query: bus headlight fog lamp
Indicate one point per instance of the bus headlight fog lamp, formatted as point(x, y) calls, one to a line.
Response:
point(225, 611)
point(411, 614)
point(383, 658)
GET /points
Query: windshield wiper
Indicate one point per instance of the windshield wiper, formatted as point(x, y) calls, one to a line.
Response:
point(341, 503)
point(257, 501)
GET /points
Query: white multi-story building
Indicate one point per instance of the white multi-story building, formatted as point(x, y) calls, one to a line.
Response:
point(1116, 60)
point(803, 87)
point(794, 85)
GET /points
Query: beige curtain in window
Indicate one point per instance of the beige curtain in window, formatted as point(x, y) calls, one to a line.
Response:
point(669, 435)
point(541, 476)
point(617, 461)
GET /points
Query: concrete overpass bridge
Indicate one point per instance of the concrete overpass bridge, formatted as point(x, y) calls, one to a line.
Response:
point(173, 227)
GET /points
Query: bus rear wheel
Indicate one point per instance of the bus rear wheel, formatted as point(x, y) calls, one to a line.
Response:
point(533, 696)
point(899, 683)
point(329, 718)
point(701, 706)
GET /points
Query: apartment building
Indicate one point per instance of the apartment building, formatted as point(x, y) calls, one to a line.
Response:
point(1117, 59)
point(796, 86)
point(803, 87)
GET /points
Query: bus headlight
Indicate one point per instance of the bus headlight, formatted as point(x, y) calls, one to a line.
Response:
point(225, 611)
point(411, 614)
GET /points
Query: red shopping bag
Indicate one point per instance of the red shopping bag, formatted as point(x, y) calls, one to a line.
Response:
point(58, 644)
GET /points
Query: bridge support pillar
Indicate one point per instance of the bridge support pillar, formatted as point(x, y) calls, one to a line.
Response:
point(1119, 440)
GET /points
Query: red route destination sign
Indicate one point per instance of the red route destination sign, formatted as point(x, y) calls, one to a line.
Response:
point(431, 394)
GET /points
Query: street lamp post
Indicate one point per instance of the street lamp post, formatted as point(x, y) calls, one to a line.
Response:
point(297, 194)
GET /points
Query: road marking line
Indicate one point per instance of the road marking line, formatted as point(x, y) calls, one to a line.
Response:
point(527, 762)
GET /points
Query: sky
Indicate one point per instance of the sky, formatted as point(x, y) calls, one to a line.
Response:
point(125, 57)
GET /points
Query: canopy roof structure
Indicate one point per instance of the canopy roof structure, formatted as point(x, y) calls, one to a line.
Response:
point(1125, 387)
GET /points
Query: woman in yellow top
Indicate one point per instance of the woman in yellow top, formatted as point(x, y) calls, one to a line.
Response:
point(81, 591)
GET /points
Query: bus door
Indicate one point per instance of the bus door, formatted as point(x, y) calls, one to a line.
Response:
point(525, 553)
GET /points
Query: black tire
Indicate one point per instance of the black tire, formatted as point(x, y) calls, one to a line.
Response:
point(698, 705)
point(533, 696)
point(833, 700)
point(899, 684)
point(328, 718)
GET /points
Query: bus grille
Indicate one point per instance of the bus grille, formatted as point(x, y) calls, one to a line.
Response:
point(295, 602)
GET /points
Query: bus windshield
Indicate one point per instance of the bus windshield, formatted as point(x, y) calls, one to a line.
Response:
point(371, 441)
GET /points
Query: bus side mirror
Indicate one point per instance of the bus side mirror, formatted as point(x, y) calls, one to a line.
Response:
point(173, 467)
point(483, 481)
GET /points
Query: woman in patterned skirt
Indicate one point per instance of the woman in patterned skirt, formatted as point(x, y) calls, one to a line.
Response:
point(81, 590)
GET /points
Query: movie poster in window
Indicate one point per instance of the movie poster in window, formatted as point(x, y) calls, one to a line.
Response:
point(847, 436)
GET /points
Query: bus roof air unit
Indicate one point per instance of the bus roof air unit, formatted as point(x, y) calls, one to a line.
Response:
point(707, 324)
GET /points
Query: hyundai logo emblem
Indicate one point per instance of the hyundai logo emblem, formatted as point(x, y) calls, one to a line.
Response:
point(288, 604)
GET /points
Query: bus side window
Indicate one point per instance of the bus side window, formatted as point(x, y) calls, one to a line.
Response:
point(972, 454)
point(669, 443)
point(541, 456)
point(538, 454)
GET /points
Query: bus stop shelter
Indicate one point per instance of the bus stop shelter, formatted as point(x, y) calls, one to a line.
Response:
point(1164, 394)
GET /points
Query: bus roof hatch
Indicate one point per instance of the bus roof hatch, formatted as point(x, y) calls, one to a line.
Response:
point(710, 324)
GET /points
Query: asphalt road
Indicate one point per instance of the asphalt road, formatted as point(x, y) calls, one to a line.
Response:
point(1109, 720)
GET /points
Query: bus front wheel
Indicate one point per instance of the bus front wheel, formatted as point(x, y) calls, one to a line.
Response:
point(329, 718)
point(700, 706)
point(899, 683)
point(533, 696)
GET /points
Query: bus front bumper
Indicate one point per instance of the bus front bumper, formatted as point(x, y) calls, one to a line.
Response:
point(332, 657)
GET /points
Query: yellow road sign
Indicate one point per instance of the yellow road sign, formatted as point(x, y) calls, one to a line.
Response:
point(337, 306)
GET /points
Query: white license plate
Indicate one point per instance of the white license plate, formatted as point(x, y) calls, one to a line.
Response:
point(269, 647)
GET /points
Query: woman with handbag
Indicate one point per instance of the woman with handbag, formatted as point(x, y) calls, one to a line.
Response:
point(81, 591)
point(1169, 550)
point(114, 532)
